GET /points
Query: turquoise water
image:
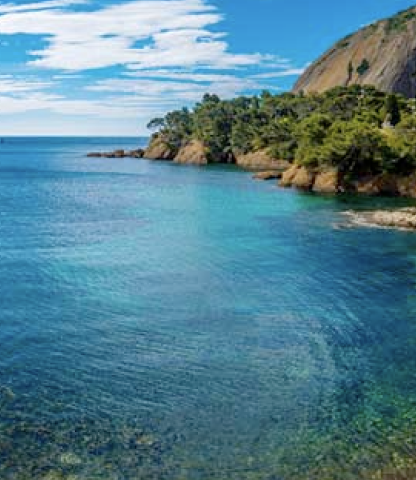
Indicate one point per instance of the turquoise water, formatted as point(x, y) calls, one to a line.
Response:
point(165, 322)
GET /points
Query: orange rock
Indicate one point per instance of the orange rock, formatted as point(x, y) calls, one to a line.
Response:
point(381, 54)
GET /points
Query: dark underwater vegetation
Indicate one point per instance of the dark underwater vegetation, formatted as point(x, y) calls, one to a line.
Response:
point(161, 322)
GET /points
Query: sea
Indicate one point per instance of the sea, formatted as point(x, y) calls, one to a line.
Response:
point(174, 322)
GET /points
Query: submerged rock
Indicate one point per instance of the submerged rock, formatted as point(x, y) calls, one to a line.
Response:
point(145, 440)
point(6, 395)
point(57, 475)
point(69, 459)
point(54, 475)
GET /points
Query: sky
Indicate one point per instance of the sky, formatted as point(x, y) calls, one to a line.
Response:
point(89, 67)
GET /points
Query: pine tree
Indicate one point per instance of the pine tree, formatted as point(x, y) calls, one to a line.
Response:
point(393, 109)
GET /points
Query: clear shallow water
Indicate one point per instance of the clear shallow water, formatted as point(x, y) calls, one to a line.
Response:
point(164, 322)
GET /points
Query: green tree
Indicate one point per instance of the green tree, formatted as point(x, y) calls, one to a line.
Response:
point(156, 124)
point(340, 128)
point(392, 109)
point(402, 141)
point(310, 134)
point(363, 67)
point(356, 148)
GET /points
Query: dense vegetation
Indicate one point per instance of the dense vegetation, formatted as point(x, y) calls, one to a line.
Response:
point(358, 129)
point(399, 21)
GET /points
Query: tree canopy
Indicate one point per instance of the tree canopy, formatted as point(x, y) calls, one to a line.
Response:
point(342, 127)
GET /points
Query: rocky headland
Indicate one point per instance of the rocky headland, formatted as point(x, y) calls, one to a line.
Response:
point(348, 126)
point(319, 180)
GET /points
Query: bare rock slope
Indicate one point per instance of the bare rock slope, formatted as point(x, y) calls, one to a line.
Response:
point(382, 54)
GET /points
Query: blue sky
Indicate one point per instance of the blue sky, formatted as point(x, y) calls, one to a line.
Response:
point(89, 67)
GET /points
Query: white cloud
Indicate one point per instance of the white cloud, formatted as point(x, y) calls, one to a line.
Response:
point(289, 72)
point(67, 76)
point(183, 75)
point(22, 104)
point(111, 107)
point(11, 7)
point(172, 32)
point(165, 50)
point(123, 98)
point(11, 86)
point(226, 86)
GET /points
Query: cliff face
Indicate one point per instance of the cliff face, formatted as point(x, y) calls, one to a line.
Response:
point(192, 153)
point(330, 181)
point(382, 54)
point(260, 160)
point(158, 149)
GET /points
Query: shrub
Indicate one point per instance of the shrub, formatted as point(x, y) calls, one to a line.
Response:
point(363, 67)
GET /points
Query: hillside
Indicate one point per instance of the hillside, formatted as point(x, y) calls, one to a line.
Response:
point(347, 127)
point(347, 139)
point(382, 54)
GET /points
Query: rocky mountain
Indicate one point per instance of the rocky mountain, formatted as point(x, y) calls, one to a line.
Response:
point(382, 54)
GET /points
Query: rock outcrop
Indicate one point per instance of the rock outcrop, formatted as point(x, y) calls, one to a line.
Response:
point(260, 160)
point(376, 185)
point(303, 179)
point(159, 149)
point(403, 218)
point(327, 181)
point(406, 186)
point(298, 177)
point(288, 176)
point(118, 154)
point(268, 175)
point(193, 153)
point(382, 54)
point(330, 181)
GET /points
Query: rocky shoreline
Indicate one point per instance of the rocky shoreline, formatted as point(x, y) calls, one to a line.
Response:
point(325, 181)
point(265, 167)
point(195, 152)
point(331, 181)
point(402, 218)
